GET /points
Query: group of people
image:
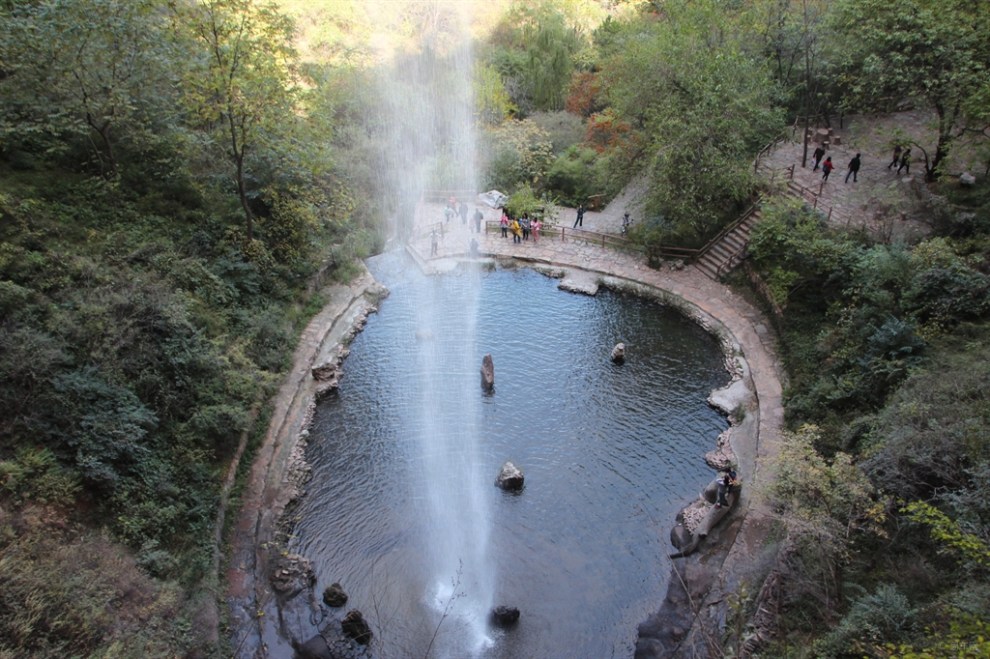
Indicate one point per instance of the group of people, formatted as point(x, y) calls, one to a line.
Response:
point(828, 166)
point(901, 160)
point(520, 228)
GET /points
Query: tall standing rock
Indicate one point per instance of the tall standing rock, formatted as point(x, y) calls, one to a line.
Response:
point(487, 374)
point(619, 353)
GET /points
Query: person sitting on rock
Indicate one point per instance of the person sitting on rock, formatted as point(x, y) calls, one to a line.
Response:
point(725, 484)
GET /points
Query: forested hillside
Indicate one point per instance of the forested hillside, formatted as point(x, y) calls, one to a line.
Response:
point(179, 177)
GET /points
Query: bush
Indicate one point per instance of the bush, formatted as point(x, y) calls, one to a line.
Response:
point(68, 595)
point(563, 129)
point(872, 620)
point(519, 152)
point(925, 436)
point(572, 175)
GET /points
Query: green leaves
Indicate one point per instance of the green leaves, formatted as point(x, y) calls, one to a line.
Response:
point(84, 68)
point(704, 105)
point(918, 49)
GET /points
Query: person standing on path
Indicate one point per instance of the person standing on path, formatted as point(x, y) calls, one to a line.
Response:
point(478, 217)
point(516, 231)
point(905, 161)
point(897, 156)
point(462, 210)
point(827, 168)
point(817, 156)
point(434, 240)
point(526, 226)
point(535, 227)
point(853, 168)
point(579, 222)
point(503, 224)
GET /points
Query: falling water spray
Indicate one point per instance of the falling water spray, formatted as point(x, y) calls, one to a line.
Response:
point(429, 106)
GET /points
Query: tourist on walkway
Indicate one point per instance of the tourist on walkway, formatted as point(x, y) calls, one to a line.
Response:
point(503, 224)
point(526, 225)
point(817, 157)
point(462, 211)
point(434, 240)
point(478, 217)
point(853, 168)
point(905, 161)
point(579, 222)
point(536, 226)
point(827, 168)
point(448, 212)
point(516, 231)
point(897, 156)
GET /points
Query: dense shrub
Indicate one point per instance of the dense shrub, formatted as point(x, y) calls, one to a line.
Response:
point(872, 621)
point(520, 152)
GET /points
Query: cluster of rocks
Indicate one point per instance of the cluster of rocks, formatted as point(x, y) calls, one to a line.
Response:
point(722, 456)
point(291, 574)
point(328, 374)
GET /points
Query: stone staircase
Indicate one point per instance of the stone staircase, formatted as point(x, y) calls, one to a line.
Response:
point(728, 250)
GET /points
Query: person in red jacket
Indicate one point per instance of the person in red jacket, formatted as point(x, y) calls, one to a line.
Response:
point(827, 168)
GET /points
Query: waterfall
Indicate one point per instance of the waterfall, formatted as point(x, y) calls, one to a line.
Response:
point(428, 108)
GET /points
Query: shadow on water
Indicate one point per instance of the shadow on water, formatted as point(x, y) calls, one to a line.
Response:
point(610, 454)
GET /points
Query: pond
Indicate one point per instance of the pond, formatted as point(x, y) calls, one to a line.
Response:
point(610, 454)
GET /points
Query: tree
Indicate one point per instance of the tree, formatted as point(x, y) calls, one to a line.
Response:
point(83, 67)
point(798, 45)
point(244, 80)
point(934, 51)
point(704, 106)
point(534, 51)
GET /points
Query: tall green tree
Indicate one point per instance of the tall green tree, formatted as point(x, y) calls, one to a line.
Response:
point(243, 84)
point(933, 51)
point(83, 68)
point(703, 104)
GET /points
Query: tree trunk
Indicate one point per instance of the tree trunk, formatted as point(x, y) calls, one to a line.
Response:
point(238, 149)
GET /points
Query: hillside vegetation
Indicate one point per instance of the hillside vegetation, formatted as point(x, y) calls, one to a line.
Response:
point(179, 177)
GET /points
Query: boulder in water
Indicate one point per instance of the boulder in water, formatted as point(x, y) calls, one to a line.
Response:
point(356, 627)
point(487, 374)
point(334, 596)
point(510, 477)
point(619, 353)
point(505, 616)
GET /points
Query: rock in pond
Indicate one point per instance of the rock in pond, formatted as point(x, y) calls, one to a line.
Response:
point(510, 477)
point(356, 627)
point(505, 616)
point(334, 596)
point(619, 353)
